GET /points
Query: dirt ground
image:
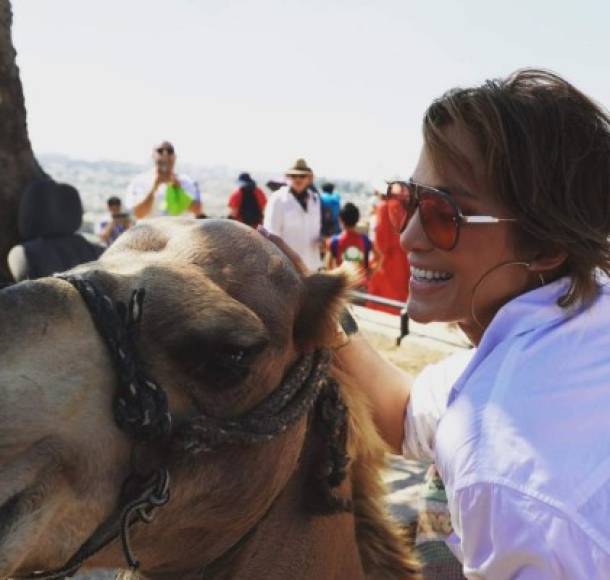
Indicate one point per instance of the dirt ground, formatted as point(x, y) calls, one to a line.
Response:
point(410, 356)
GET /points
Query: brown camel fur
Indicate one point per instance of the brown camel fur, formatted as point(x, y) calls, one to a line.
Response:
point(214, 290)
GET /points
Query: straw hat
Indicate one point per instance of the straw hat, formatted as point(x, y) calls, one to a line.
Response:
point(300, 167)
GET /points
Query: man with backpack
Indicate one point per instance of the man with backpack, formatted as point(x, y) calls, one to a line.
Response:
point(247, 203)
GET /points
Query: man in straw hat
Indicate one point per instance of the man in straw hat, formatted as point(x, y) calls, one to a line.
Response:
point(294, 213)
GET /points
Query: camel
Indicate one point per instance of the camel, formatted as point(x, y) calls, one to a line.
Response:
point(249, 459)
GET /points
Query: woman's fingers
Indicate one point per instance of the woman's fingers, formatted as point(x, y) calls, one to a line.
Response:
point(282, 245)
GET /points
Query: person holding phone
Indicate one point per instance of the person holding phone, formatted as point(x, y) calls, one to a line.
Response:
point(116, 223)
point(162, 191)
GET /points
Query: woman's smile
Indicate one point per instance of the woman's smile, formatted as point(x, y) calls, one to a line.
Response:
point(424, 281)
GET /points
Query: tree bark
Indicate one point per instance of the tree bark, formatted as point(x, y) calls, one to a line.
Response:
point(18, 166)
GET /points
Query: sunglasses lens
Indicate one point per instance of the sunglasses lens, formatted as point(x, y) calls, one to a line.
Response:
point(398, 199)
point(439, 220)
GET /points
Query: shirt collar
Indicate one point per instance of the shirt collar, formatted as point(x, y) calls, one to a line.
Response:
point(528, 311)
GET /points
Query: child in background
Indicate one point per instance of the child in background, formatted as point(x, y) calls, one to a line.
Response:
point(115, 223)
point(349, 245)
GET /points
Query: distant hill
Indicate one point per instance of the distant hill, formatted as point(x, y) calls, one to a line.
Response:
point(98, 180)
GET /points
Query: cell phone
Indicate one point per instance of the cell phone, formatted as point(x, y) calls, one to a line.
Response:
point(121, 216)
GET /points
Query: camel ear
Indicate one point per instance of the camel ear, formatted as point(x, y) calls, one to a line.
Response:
point(323, 297)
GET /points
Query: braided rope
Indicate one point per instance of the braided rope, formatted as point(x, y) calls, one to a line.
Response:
point(307, 387)
point(274, 415)
point(331, 470)
point(140, 406)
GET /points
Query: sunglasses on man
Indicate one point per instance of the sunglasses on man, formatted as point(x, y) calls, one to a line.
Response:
point(168, 150)
point(440, 216)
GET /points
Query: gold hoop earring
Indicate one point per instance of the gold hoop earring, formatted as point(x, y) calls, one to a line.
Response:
point(528, 265)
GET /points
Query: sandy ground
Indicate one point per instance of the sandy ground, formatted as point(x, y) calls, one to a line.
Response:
point(403, 478)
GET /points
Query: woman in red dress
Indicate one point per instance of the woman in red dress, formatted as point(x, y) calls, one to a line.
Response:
point(391, 276)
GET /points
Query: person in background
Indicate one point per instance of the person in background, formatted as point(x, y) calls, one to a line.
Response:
point(294, 213)
point(331, 206)
point(115, 223)
point(247, 203)
point(379, 190)
point(162, 191)
point(274, 184)
point(50, 216)
point(391, 276)
point(350, 245)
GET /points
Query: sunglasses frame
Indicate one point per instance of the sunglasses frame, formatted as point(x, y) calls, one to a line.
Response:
point(412, 203)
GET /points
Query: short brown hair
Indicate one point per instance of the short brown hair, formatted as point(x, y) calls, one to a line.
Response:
point(546, 150)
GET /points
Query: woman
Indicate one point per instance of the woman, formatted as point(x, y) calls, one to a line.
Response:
point(510, 206)
point(391, 275)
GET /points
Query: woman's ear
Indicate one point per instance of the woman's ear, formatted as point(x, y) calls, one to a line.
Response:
point(548, 262)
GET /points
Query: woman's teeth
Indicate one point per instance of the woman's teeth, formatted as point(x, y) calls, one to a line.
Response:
point(429, 275)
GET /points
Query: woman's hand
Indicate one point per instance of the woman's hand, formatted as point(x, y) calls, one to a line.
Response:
point(282, 245)
point(386, 386)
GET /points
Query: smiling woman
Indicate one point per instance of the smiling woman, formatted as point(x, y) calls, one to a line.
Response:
point(506, 222)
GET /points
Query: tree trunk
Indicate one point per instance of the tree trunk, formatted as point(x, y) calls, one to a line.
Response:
point(18, 166)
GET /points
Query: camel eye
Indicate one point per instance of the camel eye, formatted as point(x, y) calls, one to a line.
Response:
point(237, 356)
point(214, 361)
point(229, 356)
point(227, 365)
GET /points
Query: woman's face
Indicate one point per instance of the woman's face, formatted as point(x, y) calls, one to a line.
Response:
point(470, 265)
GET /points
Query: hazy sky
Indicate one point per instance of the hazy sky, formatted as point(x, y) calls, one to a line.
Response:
point(255, 84)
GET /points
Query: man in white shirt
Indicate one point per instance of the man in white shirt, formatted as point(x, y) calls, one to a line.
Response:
point(294, 213)
point(161, 191)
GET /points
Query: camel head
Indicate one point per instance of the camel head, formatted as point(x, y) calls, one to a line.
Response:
point(223, 319)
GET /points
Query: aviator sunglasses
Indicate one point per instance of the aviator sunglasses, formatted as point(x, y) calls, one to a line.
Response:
point(440, 216)
point(168, 150)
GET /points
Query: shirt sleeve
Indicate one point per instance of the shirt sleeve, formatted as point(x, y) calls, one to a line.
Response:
point(428, 402)
point(501, 534)
point(273, 220)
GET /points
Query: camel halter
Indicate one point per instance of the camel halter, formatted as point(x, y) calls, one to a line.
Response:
point(140, 409)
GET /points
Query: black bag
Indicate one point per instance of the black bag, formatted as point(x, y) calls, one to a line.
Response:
point(250, 211)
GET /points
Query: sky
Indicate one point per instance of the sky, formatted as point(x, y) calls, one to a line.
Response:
point(254, 84)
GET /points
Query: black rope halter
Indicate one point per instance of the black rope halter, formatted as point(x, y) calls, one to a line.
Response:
point(140, 408)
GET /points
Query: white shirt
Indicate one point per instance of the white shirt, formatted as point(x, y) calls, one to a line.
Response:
point(524, 444)
point(300, 229)
point(142, 184)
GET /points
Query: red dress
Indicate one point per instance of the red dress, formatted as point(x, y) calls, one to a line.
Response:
point(391, 280)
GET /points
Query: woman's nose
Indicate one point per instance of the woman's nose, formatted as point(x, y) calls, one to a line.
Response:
point(413, 237)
